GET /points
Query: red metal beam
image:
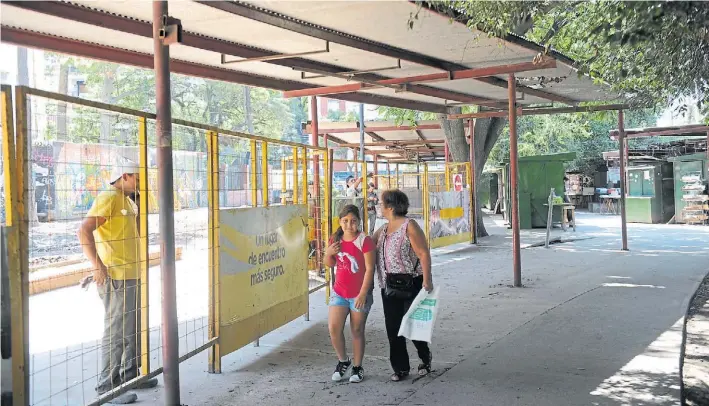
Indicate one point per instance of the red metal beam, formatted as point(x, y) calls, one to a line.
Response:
point(648, 129)
point(392, 143)
point(308, 129)
point(698, 129)
point(541, 111)
point(86, 15)
point(256, 13)
point(433, 77)
point(483, 114)
point(31, 39)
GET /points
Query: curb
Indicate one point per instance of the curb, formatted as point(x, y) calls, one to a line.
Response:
point(71, 278)
point(688, 306)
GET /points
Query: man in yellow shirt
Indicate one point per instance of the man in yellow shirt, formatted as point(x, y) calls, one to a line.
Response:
point(110, 240)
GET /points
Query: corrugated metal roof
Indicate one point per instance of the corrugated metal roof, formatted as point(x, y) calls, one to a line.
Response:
point(379, 23)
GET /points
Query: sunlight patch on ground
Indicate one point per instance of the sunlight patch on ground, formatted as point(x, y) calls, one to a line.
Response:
point(651, 378)
point(630, 285)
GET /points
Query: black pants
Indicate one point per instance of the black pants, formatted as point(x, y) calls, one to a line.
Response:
point(394, 311)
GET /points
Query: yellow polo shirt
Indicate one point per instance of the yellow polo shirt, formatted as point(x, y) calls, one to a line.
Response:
point(117, 240)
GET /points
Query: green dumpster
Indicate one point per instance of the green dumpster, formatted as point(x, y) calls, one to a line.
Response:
point(537, 175)
point(650, 196)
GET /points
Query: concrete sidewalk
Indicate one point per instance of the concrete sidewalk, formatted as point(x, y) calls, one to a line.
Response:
point(592, 325)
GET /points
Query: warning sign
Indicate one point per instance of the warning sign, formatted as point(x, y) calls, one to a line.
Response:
point(458, 182)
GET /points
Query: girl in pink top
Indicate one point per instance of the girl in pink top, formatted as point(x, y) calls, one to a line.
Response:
point(352, 253)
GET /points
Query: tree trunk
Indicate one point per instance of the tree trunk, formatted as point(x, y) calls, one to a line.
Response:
point(487, 131)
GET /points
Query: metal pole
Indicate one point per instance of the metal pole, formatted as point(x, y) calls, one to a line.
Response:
point(621, 152)
point(376, 171)
point(316, 179)
point(361, 133)
point(397, 176)
point(514, 197)
point(418, 175)
point(163, 126)
point(473, 182)
point(446, 152)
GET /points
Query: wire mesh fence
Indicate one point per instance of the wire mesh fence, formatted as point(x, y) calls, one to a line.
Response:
point(77, 158)
point(93, 204)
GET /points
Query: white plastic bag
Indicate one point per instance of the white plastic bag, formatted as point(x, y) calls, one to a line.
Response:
point(418, 321)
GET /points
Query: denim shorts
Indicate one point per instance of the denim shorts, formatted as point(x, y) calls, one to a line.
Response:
point(337, 300)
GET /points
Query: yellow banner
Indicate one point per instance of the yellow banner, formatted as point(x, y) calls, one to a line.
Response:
point(263, 254)
point(449, 218)
point(451, 213)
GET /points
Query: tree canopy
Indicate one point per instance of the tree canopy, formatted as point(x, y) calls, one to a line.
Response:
point(651, 52)
point(212, 102)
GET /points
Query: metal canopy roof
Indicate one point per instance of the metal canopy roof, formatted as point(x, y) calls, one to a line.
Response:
point(425, 137)
point(359, 35)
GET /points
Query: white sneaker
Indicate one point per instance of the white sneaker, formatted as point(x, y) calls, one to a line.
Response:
point(357, 375)
point(341, 370)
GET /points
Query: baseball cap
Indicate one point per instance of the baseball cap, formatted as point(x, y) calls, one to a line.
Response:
point(125, 166)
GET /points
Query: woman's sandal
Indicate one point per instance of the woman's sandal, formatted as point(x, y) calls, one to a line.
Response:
point(397, 376)
point(425, 367)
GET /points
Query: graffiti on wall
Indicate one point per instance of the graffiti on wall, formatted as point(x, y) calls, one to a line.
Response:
point(69, 176)
point(450, 217)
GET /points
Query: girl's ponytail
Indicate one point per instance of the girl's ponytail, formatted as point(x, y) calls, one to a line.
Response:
point(337, 237)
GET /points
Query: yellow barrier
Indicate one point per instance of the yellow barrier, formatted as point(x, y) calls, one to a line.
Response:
point(214, 170)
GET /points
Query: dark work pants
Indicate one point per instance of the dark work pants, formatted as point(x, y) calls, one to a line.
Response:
point(394, 311)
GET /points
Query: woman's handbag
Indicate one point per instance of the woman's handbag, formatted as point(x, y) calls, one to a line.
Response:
point(400, 286)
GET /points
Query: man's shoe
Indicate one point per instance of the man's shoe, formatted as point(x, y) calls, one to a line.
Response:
point(144, 384)
point(124, 399)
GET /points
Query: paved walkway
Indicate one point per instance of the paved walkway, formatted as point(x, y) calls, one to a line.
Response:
point(592, 326)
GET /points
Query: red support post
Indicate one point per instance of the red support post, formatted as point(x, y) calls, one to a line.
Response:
point(622, 152)
point(316, 181)
point(514, 197)
point(446, 152)
point(163, 129)
point(473, 182)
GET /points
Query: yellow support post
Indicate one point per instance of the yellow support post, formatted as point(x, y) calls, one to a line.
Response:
point(448, 177)
point(284, 178)
point(328, 208)
point(305, 176)
point(295, 175)
point(254, 179)
point(469, 180)
point(215, 359)
point(264, 173)
point(426, 206)
point(18, 279)
point(8, 152)
point(143, 212)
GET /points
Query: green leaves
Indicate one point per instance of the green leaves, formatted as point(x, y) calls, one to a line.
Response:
point(648, 51)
